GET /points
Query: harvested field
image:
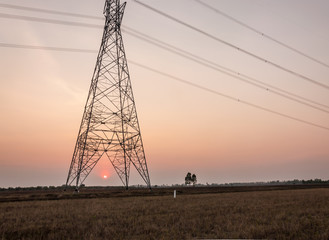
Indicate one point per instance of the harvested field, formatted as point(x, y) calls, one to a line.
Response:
point(275, 214)
point(113, 192)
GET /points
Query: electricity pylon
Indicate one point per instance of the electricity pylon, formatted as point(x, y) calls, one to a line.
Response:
point(109, 124)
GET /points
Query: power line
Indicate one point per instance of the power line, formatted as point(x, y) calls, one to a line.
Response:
point(261, 33)
point(231, 45)
point(228, 96)
point(226, 71)
point(52, 21)
point(196, 60)
point(175, 78)
point(239, 75)
point(175, 52)
point(3, 5)
point(75, 50)
point(198, 1)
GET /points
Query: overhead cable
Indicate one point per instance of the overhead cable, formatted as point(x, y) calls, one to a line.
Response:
point(197, 59)
point(226, 71)
point(100, 26)
point(228, 96)
point(52, 21)
point(261, 33)
point(3, 5)
point(231, 45)
point(47, 20)
point(177, 79)
point(60, 49)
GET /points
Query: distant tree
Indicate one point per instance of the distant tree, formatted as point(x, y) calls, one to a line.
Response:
point(193, 179)
point(188, 178)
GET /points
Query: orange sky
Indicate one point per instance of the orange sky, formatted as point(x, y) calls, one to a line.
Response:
point(43, 93)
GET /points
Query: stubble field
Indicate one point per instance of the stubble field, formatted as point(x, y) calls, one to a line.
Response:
point(275, 214)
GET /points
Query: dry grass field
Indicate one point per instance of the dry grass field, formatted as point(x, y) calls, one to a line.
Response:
point(276, 214)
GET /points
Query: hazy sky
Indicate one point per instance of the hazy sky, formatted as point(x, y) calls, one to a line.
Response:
point(184, 128)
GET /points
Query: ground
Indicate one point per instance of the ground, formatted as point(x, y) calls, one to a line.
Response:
point(204, 213)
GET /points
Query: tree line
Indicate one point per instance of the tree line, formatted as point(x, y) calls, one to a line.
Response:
point(190, 179)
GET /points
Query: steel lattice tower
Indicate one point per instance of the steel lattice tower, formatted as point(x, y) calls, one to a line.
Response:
point(109, 124)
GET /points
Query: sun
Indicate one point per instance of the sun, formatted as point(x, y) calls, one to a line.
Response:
point(105, 176)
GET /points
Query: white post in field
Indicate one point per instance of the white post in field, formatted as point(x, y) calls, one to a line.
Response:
point(174, 193)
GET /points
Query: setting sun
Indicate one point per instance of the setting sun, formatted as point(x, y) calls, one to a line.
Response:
point(105, 176)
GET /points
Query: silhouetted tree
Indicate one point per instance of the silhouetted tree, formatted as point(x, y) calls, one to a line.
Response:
point(193, 179)
point(188, 178)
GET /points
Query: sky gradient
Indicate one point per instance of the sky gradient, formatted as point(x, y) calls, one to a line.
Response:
point(184, 128)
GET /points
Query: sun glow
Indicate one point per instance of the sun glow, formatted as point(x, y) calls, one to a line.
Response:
point(105, 176)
